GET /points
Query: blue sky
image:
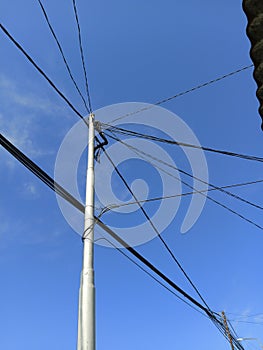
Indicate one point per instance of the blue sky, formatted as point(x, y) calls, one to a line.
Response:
point(138, 51)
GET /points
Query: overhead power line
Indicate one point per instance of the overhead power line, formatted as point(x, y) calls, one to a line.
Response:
point(147, 155)
point(154, 228)
point(82, 55)
point(62, 53)
point(185, 92)
point(66, 195)
point(43, 176)
point(51, 83)
point(221, 189)
point(151, 275)
point(127, 132)
point(37, 171)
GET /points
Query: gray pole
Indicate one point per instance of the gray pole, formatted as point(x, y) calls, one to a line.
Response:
point(86, 321)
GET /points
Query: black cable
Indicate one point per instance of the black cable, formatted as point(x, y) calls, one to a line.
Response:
point(154, 228)
point(211, 315)
point(61, 94)
point(82, 55)
point(172, 142)
point(183, 93)
point(30, 59)
point(136, 150)
point(211, 185)
point(36, 170)
point(66, 195)
point(62, 53)
point(152, 276)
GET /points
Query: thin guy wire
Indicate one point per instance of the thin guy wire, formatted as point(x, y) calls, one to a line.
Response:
point(62, 53)
point(155, 229)
point(252, 322)
point(113, 206)
point(136, 150)
point(82, 55)
point(183, 93)
point(245, 316)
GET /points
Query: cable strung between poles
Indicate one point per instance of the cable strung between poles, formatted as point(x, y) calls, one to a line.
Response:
point(144, 154)
point(221, 189)
point(82, 55)
point(155, 229)
point(44, 177)
point(42, 72)
point(127, 132)
point(62, 192)
point(149, 274)
point(51, 83)
point(30, 59)
point(62, 53)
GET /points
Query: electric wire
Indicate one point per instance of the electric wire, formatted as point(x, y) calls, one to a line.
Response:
point(36, 170)
point(114, 206)
point(217, 323)
point(50, 184)
point(147, 155)
point(127, 132)
point(46, 178)
point(212, 316)
point(211, 185)
point(22, 158)
point(161, 238)
point(62, 53)
point(150, 275)
point(82, 54)
point(154, 228)
point(51, 83)
point(183, 93)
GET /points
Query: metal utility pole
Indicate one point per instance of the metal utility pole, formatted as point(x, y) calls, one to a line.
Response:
point(86, 321)
point(227, 330)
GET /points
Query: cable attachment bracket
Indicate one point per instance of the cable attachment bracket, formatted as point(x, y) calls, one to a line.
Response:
point(99, 145)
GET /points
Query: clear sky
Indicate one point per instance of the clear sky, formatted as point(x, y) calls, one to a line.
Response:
point(136, 51)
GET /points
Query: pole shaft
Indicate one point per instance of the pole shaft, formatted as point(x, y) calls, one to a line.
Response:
point(86, 322)
point(227, 330)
